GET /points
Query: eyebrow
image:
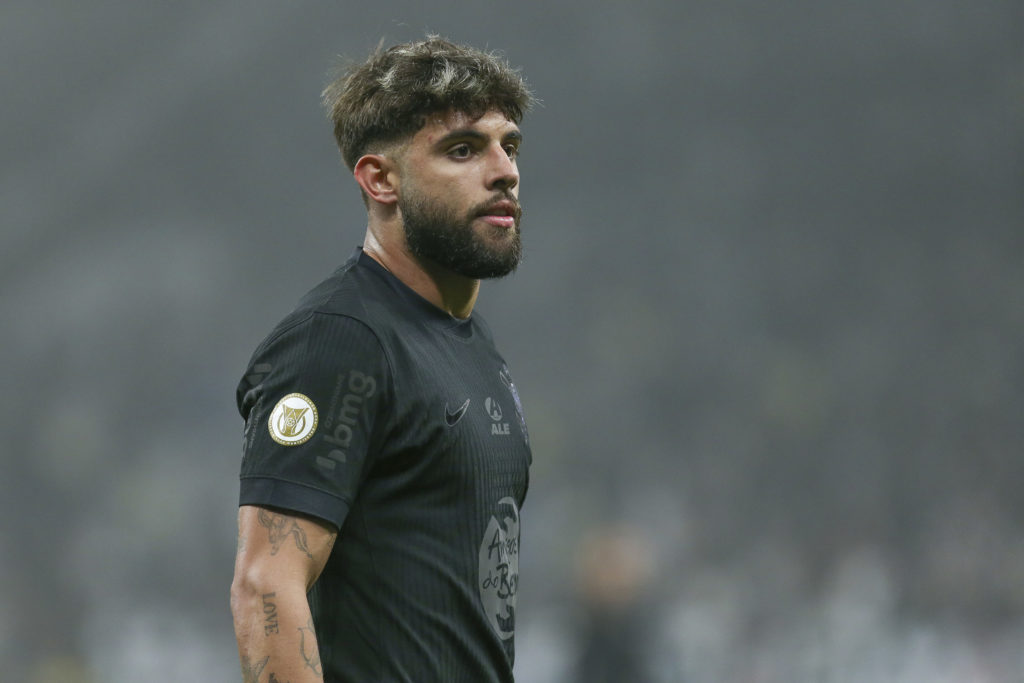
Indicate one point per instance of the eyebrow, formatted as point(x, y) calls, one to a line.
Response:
point(477, 136)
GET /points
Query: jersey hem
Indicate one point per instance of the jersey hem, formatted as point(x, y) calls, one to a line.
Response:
point(293, 496)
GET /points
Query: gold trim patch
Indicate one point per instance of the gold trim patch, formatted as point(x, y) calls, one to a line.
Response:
point(293, 420)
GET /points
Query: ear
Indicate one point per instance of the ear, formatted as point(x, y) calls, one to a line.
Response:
point(377, 176)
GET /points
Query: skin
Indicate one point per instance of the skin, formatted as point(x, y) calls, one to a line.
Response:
point(279, 557)
point(454, 158)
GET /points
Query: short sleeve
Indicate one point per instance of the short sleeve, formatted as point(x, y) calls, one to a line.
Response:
point(311, 399)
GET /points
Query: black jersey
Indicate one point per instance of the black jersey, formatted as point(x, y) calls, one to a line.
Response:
point(371, 409)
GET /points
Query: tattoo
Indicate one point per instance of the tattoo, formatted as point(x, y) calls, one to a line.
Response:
point(275, 679)
point(277, 524)
point(269, 614)
point(251, 672)
point(310, 653)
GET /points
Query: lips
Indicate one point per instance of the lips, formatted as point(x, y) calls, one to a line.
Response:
point(504, 213)
point(500, 221)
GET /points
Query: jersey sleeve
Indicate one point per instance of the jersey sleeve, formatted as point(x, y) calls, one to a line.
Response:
point(312, 401)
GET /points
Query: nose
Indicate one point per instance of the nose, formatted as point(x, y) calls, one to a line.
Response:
point(504, 172)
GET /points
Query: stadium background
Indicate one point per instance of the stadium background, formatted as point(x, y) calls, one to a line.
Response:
point(768, 331)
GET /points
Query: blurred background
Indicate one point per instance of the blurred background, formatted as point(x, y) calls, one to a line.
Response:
point(768, 331)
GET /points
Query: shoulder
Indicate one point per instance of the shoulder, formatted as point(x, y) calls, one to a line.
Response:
point(339, 295)
point(360, 290)
point(354, 296)
point(332, 330)
point(313, 353)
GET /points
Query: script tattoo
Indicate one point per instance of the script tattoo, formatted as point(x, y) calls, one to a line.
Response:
point(279, 528)
point(269, 614)
point(309, 651)
point(275, 679)
point(251, 672)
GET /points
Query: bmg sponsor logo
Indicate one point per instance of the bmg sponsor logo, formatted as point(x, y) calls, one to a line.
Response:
point(358, 387)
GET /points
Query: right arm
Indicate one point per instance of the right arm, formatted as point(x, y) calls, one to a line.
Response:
point(280, 553)
point(279, 557)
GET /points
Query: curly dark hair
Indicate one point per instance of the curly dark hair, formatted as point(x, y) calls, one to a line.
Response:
point(389, 96)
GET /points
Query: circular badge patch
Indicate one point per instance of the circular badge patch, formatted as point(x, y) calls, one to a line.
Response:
point(293, 420)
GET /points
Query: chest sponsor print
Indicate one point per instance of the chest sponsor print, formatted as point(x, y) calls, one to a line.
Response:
point(493, 408)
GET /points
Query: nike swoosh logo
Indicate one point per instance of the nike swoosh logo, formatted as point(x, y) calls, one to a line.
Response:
point(453, 417)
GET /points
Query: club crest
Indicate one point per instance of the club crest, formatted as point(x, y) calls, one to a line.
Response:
point(506, 379)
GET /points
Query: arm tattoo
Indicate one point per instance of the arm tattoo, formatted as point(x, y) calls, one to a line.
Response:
point(251, 672)
point(310, 653)
point(275, 679)
point(280, 530)
point(269, 614)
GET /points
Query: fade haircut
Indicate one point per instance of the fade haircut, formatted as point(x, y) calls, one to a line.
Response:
point(388, 97)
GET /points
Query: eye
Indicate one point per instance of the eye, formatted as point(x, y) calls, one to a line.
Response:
point(512, 151)
point(460, 151)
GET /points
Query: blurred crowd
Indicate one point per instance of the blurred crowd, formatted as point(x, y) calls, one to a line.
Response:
point(767, 331)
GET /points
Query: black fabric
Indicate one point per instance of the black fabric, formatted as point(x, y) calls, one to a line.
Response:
point(419, 457)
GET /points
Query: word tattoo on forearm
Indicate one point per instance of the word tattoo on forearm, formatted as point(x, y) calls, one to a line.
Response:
point(308, 648)
point(269, 614)
point(250, 671)
point(280, 528)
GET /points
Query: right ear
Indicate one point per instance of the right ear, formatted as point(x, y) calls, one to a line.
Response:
point(377, 177)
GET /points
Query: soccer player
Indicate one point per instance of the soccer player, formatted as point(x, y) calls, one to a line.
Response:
point(385, 452)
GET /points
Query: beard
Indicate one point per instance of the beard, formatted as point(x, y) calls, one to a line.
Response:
point(437, 233)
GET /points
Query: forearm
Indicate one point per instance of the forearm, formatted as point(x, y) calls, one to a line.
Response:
point(276, 641)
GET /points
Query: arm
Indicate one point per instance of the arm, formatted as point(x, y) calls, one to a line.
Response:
point(279, 558)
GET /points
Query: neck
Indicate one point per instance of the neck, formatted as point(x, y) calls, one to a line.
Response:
point(452, 293)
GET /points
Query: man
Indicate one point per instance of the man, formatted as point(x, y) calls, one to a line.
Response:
point(385, 452)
